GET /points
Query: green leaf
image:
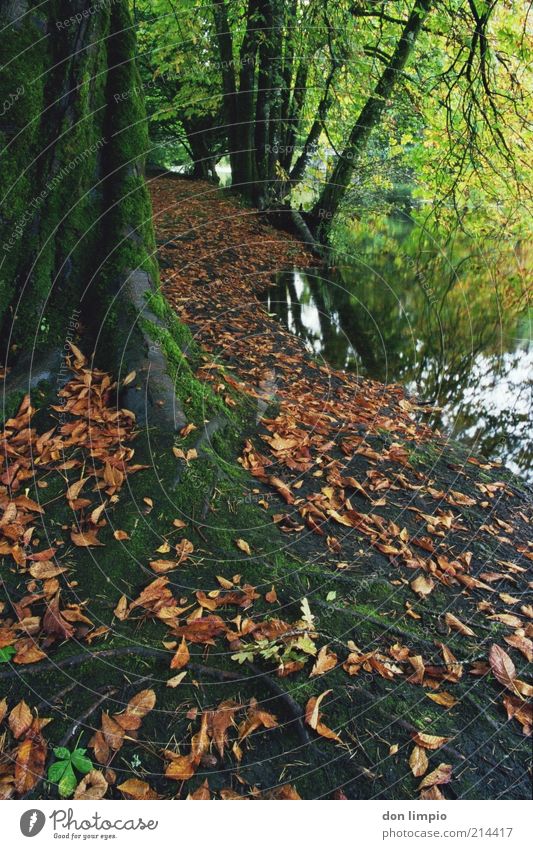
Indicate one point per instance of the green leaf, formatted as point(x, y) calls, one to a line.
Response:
point(80, 761)
point(68, 783)
point(331, 596)
point(7, 653)
point(62, 753)
point(57, 770)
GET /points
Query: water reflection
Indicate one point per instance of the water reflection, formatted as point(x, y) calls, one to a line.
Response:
point(441, 324)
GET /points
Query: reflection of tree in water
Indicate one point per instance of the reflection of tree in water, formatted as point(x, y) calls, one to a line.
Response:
point(440, 328)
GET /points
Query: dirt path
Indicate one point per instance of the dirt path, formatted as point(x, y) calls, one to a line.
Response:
point(410, 541)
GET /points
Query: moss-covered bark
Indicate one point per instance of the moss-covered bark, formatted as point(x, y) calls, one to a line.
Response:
point(75, 213)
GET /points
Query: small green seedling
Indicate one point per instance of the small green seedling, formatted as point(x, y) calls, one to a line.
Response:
point(61, 772)
point(7, 653)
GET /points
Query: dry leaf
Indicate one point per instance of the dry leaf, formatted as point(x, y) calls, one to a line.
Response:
point(441, 775)
point(20, 719)
point(134, 788)
point(176, 680)
point(325, 661)
point(243, 545)
point(312, 717)
point(456, 625)
point(423, 585)
point(182, 656)
point(443, 698)
point(428, 741)
point(502, 667)
point(121, 610)
point(92, 786)
point(418, 762)
point(201, 793)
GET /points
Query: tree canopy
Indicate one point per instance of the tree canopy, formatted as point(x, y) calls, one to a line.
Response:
point(310, 100)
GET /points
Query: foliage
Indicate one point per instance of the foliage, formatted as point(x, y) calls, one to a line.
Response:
point(61, 771)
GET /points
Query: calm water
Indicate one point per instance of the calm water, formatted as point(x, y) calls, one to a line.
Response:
point(452, 325)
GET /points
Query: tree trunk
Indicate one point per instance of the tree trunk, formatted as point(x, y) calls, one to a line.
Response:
point(77, 249)
point(335, 189)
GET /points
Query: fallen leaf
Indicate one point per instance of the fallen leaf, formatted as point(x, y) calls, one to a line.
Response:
point(502, 667)
point(121, 610)
point(20, 719)
point(443, 698)
point(312, 717)
point(182, 656)
point(92, 786)
point(428, 741)
point(134, 788)
point(201, 793)
point(176, 680)
point(422, 586)
point(441, 775)
point(84, 539)
point(418, 761)
point(456, 625)
point(243, 545)
point(325, 661)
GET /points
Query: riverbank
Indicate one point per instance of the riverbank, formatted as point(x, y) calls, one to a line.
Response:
point(304, 537)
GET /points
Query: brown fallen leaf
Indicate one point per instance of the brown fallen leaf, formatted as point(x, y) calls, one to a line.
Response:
point(325, 661)
point(142, 703)
point(428, 741)
point(46, 569)
point(183, 549)
point(523, 644)
point(271, 596)
point(20, 719)
point(456, 625)
point(92, 786)
point(181, 768)
point(176, 680)
point(433, 793)
point(422, 586)
point(85, 539)
point(441, 775)
point(312, 717)
point(443, 698)
point(162, 566)
point(256, 718)
point(219, 721)
point(243, 545)
point(182, 656)
point(201, 793)
point(121, 610)
point(418, 761)
point(28, 651)
point(29, 762)
point(134, 788)
point(523, 713)
point(54, 623)
point(502, 667)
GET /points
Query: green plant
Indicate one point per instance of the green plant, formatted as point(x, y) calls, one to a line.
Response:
point(61, 772)
point(7, 653)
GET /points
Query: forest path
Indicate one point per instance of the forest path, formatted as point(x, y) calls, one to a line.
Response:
point(415, 550)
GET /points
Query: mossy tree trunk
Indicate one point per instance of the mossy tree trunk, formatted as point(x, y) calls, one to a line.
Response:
point(76, 216)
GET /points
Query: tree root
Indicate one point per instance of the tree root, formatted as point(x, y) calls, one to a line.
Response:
point(211, 672)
